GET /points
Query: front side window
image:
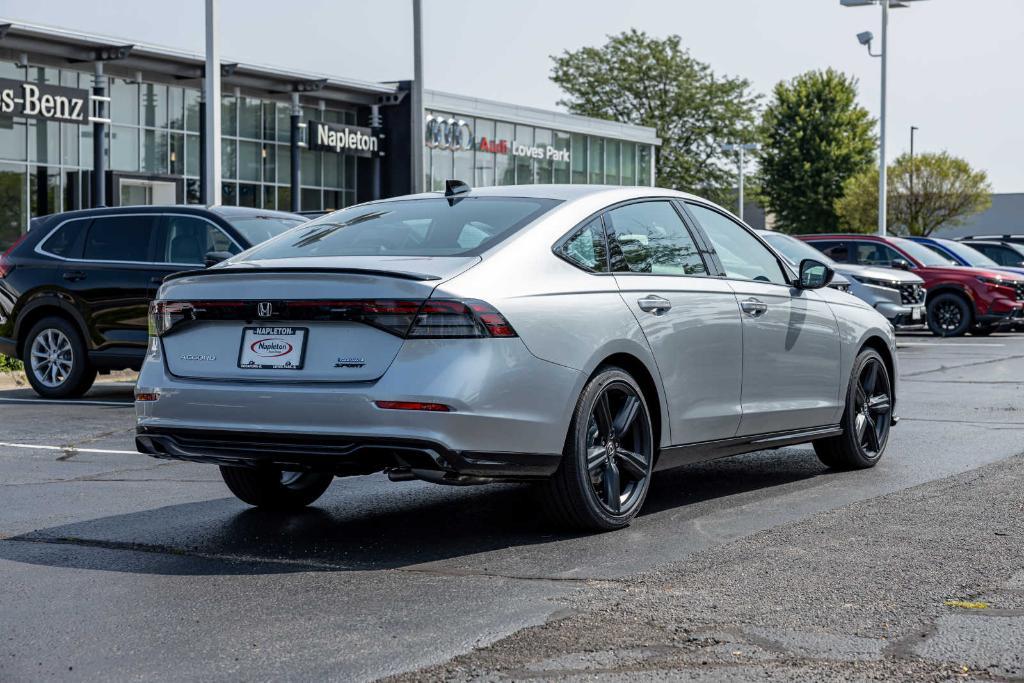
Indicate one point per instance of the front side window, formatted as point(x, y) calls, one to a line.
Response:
point(188, 239)
point(971, 256)
point(587, 247)
point(257, 229)
point(120, 238)
point(742, 255)
point(653, 239)
point(408, 227)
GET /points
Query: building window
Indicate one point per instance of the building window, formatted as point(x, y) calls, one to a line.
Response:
point(596, 158)
point(542, 165)
point(560, 169)
point(628, 163)
point(644, 165)
point(611, 162)
point(504, 168)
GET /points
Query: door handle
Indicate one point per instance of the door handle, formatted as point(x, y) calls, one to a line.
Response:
point(654, 304)
point(753, 307)
point(74, 275)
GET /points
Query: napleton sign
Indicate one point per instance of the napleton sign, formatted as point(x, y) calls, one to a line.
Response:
point(39, 101)
point(356, 140)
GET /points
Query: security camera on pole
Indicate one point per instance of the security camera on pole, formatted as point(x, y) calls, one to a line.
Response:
point(865, 39)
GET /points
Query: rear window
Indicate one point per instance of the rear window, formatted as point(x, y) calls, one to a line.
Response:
point(259, 229)
point(408, 227)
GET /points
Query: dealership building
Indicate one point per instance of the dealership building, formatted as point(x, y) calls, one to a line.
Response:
point(290, 140)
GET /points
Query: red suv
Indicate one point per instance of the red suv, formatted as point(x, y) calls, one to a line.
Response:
point(960, 298)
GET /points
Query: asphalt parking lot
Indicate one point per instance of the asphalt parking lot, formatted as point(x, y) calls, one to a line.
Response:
point(118, 566)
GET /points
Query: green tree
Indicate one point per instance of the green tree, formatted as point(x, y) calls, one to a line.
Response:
point(922, 195)
point(814, 137)
point(636, 79)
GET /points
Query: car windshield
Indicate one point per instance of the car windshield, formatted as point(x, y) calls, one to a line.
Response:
point(794, 250)
point(257, 229)
point(408, 227)
point(972, 256)
point(921, 253)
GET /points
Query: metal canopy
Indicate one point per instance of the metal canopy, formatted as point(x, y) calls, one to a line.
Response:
point(59, 47)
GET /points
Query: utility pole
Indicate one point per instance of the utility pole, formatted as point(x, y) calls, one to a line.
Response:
point(416, 102)
point(211, 133)
point(740, 149)
point(882, 180)
point(913, 197)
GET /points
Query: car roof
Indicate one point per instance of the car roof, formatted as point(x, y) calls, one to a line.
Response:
point(226, 211)
point(564, 192)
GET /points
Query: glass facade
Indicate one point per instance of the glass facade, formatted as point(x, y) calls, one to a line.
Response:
point(154, 131)
point(505, 153)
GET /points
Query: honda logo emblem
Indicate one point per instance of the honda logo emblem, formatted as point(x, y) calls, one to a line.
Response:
point(264, 309)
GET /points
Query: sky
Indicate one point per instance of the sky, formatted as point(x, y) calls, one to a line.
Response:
point(955, 66)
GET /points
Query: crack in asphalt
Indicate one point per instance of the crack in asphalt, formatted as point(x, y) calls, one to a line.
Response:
point(960, 367)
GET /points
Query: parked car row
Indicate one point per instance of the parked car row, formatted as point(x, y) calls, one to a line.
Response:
point(962, 289)
point(75, 289)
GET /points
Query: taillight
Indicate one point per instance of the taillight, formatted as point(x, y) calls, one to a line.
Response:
point(5, 258)
point(406, 318)
point(164, 315)
point(444, 319)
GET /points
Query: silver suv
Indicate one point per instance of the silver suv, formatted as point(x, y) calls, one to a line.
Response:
point(580, 337)
point(896, 294)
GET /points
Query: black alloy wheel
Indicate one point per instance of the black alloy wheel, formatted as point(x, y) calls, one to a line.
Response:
point(866, 420)
point(949, 315)
point(606, 467)
point(872, 408)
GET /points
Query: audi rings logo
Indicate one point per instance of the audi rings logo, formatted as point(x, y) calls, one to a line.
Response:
point(449, 133)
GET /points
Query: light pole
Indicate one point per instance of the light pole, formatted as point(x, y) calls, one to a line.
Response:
point(416, 103)
point(913, 200)
point(865, 39)
point(740, 149)
point(211, 133)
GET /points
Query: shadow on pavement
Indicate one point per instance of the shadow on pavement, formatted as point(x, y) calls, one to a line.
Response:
point(363, 524)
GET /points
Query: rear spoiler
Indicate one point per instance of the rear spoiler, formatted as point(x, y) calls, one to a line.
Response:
point(401, 274)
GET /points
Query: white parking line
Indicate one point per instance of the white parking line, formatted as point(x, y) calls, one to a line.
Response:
point(4, 399)
point(65, 449)
point(947, 344)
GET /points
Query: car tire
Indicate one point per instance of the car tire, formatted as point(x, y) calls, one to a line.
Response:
point(949, 315)
point(867, 417)
point(606, 466)
point(275, 489)
point(56, 362)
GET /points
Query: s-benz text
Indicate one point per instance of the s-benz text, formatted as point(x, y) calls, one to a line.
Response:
point(579, 337)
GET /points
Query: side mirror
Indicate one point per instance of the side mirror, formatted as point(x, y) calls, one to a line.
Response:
point(214, 257)
point(814, 274)
point(900, 264)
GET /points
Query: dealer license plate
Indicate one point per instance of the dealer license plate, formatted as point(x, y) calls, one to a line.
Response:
point(272, 348)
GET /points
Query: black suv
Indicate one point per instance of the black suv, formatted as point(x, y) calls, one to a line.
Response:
point(1006, 250)
point(75, 289)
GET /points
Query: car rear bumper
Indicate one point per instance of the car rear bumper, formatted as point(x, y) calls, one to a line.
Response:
point(504, 402)
point(344, 455)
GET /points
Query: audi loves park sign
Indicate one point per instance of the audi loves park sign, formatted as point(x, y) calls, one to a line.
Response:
point(49, 102)
point(456, 134)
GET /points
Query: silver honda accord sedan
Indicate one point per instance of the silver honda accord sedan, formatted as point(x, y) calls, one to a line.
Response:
point(579, 337)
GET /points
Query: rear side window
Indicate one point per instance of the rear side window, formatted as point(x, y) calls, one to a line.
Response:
point(120, 238)
point(408, 227)
point(653, 239)
point(587, 247)
point(1004, 256)
point(188, 239)
point(64, 241)
point(837, 251)
point(875, 254)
